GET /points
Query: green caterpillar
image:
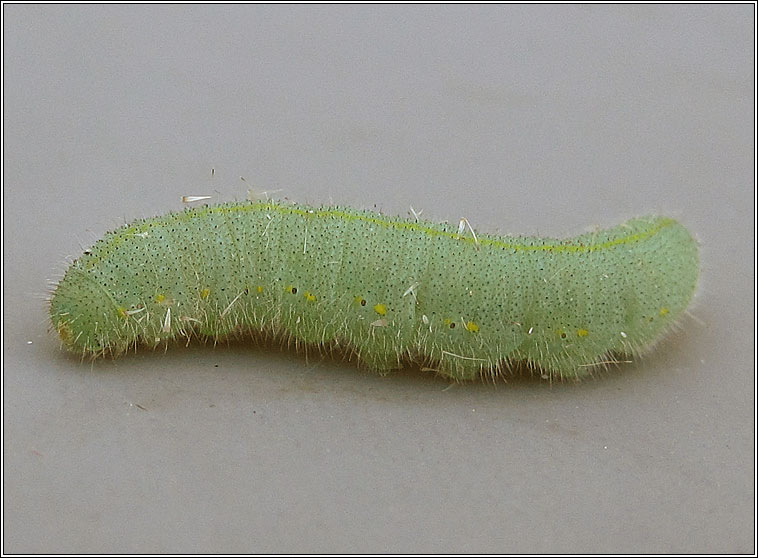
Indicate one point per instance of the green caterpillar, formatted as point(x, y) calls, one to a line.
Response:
point(387, 289)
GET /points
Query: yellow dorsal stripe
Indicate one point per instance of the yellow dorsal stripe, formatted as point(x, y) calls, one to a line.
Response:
point(421, 227)
point(143, 228)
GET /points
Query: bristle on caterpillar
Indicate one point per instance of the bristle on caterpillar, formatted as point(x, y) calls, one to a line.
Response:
point(462, 303)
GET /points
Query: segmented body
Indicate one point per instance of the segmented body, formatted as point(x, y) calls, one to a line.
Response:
point(390, 289)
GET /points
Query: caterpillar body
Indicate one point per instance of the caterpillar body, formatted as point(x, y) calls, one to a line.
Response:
point(388, 289)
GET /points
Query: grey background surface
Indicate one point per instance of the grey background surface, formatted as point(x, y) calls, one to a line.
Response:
point(523, 119)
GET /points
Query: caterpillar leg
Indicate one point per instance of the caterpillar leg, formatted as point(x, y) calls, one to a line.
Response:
point(460, 370)
point(556, 369)
point(379, 362)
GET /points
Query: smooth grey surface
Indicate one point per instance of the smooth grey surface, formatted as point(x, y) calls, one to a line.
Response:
point(523, 119)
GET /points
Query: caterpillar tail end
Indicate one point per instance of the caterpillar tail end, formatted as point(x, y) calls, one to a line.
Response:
point(86, 320)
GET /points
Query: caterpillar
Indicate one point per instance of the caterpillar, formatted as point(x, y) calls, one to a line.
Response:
point(386, 289)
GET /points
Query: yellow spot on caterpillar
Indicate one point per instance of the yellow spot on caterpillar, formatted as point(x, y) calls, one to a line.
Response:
point(664, 311)
point(472, 327)
point(309, 297)
point(122, 312)
point(582, 332)
point(65, 332)
point(260, 288)
point(160, 298)
point(205, 293)
point(380, 309)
